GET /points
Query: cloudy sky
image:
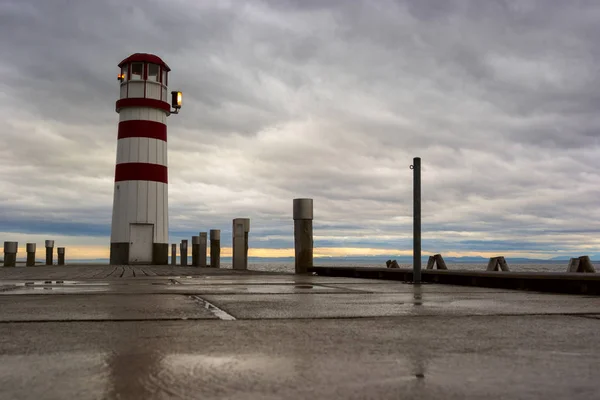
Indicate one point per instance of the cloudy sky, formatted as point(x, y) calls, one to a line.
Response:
point(328, 99)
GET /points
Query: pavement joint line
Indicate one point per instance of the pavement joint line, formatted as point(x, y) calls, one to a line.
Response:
point(366, 317)
point(216, 311)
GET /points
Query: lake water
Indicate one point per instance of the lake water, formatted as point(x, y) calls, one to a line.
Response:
point(550, 266)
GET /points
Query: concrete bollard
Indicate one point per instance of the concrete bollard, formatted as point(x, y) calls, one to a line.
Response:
point(30, 254)
point(61, 255)
point(215, 248)
point(10, 254)
point(497, 264)
point(183, 252)
point(195, 251)
point(49, 251)
point(202, 251)
point(241, 227)
point(174, 254)
point(580, 264)
point(436, 260)
point(303, 234)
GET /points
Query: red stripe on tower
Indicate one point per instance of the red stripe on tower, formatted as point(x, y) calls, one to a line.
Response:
point(143, 102)
point(142, 129)
point(141, 172)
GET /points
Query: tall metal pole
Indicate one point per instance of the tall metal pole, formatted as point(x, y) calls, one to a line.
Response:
point(416, 167)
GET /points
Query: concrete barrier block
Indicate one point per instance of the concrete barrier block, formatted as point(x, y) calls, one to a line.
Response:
point(436, 261)
point(581, 264)
point(497, 264)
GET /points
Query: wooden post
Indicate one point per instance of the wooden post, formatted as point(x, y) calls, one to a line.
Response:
point(241, 227)
point(215, 248)
point(174, 254)
point(49, 251)
point(303, 234)
point(183, 252)
point(195, 250)
point(202, 249)
point(61, 255)
point(10, 254)
point(30, 254)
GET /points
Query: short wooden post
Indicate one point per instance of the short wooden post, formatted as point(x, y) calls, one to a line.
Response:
point(303, 234)
point(195, 250)
point(215, 248)
point(436, 260)
point(49, 252)
point(202, 249)
point(241, 228)
point(183, 252)
point(10, 254)
point(30, 254)
point(497, 264)
point(173, 254)
point(61, 255)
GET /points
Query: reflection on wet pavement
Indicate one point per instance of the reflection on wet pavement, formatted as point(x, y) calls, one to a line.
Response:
point(80, 333)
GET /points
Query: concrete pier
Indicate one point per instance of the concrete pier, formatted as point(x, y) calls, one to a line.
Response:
point(49, 252)
point(303, 234)
point(202, 249)
point(146, 332)
point(539, 281)
point(241, 227)
point(61, 255)
point(10, 254)
point(30, 247)
point(215, 248)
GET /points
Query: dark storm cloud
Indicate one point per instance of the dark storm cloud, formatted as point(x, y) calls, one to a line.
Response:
point(322, 99)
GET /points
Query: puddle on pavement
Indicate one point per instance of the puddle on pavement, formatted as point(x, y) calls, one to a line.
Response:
point(55, 289)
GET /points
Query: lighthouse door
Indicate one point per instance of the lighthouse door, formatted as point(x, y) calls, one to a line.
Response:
point(140, 243)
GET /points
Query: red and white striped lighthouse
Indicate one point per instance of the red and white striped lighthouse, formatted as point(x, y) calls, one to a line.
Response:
point(140, 223)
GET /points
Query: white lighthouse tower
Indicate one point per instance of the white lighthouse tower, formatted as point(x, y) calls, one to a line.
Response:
point(140, 221)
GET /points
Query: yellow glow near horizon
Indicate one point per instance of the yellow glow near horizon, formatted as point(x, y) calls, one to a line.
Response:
point(87, 252)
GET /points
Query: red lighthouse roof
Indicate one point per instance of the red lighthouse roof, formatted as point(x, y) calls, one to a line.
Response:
point(145, 57)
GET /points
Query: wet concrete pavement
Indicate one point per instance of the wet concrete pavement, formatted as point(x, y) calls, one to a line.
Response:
point(91, 332)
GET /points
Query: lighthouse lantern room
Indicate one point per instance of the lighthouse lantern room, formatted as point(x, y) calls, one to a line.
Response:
point(140, 225)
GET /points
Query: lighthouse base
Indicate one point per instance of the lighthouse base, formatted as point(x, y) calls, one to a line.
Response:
point(160, 253)
point(119, 253)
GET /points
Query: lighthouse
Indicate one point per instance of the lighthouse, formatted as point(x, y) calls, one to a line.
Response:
point(140, 220)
